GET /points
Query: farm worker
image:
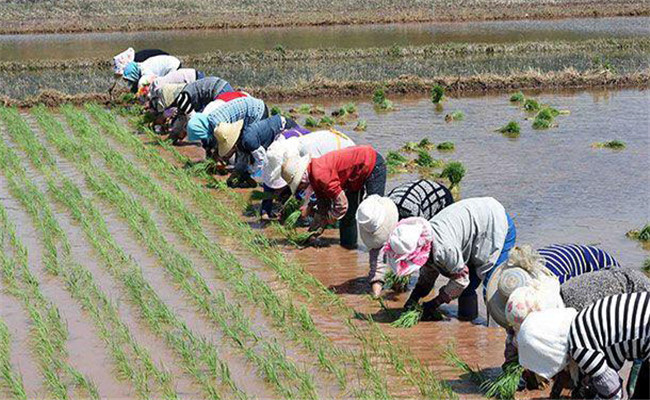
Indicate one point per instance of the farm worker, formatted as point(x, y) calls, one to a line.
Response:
point(180, 76)
point(377, 217)
point(525, 266)
point(297, 142)
point(129, 55)
point(156, 65)
point(594, 342)
point(464, 242)
point(339, 179)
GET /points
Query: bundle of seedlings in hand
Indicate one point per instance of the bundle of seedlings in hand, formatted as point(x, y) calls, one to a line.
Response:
point(511, 128)
point(531, 105)
point(446, 146)
point(454, 171)
point(437, 94)
point(292, 220)
point(289, 208)
point(408, 318)
point(517, 97)
point(642, 235)
point(613, 144)
point(395, 282)
point(362, 125)
point(454, 116)
point(504, 386)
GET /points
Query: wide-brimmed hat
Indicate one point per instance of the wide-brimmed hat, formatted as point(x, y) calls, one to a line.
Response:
point(543, 341)
point(524, 268)
point(377, 217)
point(293, 170)
point(409, 245)
point(227, 135)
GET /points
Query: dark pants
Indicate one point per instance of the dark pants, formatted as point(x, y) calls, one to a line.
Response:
point(375, 184)
point(642, 387)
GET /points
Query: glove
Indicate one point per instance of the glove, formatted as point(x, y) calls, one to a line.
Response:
point(430, 310)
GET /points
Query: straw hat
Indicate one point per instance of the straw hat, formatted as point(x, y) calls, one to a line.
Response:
point(377, 217)
point(524, 267)
point(544, 341)
point(227, 135)
point(293, 169)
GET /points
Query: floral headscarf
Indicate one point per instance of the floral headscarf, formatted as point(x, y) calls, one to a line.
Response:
point(120, 60)
point(409, 245)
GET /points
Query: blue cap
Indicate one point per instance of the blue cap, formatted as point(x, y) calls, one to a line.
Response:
point(198, 127)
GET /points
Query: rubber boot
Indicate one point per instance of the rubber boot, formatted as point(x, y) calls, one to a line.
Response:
point(348, 234)
point(468, 307)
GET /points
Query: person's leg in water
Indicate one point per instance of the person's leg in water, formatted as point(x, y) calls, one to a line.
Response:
point(468, 300)
point(267, 204)
point(642, 386)
point(348, 224)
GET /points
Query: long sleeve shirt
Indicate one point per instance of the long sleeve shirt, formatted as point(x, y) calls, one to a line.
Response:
point(159, 65)
point(569, 260)
point(467, 234)
point(198, 94)
point(607, 333)
point(248, 109)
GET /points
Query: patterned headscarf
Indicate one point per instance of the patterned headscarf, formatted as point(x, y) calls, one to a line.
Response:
point(409, 245)
point(120, 60)
point(132, 72)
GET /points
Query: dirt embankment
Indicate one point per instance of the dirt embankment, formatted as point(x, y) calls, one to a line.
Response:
point(121, 15)
point(406, 85)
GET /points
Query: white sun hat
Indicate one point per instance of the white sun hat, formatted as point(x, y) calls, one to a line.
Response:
point(377, 217)
point(544, 341)
point(278, 152)
point(293, 169)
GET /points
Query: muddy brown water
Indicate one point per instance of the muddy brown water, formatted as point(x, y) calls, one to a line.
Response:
point(65, 46)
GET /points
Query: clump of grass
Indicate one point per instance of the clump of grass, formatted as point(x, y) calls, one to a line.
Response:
point(504, 386)
point(454, 171)
point(361, 126)
point(437, 94)
point(446, 146)
point(517, 97)
point(410, 146)
point(531, 105)
point(511, 128)
point(545, 117)
point(311, 122)
point(326, 122)
point(642, 235)
point(395, 282)
point(408, 318)
point(395, 162)
point(425, 144)
point(380, 100)
point(612, 144)
point(455, 116)
point(646, 265)
point(425, 160)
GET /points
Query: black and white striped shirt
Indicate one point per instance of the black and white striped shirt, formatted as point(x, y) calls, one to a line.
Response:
point(421, 198)
point(610, 331)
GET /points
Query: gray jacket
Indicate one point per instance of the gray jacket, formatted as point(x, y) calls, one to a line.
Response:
point(581, 291)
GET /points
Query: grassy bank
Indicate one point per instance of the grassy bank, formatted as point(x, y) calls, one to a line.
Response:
point(99, 16)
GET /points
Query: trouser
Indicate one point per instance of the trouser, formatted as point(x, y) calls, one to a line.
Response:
point(642, 387)
point(267, 204)
point(375, 184)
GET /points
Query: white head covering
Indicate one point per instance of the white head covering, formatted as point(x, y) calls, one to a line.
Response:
point(409, 245)
point(279, 151)
point(377, 216)
point(120, 60)
point(544, 341)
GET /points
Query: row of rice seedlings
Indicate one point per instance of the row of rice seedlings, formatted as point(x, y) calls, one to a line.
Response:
point(281, 310)
point(297, 279)
point(132, 361)
point(312, 339)
point(48, 332)
point(10, 379)
point(200, 358)
point(642, 235)
point(228, 316)
point(612, 144)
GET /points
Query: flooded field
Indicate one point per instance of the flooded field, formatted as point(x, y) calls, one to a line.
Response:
point(178, 295)
point(106, 45)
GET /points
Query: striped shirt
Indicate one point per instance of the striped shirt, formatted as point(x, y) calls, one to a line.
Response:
point(198, 94)
point(420, 198)
point(570, 260)
point(610, 331)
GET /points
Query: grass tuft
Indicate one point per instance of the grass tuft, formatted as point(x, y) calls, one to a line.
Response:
point(511, 128)
point(361, 126)
point(408, 318)
point(517, 97)
point(454, 171)
point(446, 146)
point(612, 144)
point(437, 94)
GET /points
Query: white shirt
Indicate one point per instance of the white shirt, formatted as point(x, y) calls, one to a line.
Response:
point(159, 65)
point(319, 143)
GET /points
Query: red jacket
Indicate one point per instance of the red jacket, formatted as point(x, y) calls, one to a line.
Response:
point(341, 170)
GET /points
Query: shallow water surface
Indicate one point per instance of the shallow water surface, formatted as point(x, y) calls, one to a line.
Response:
point(555, 185)
point(82, 45)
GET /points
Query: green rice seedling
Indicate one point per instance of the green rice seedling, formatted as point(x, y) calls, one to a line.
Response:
point(292, 220)
point(361, 126)
point(326, 122)
point(425, 144)
point(437, 94)
point(613, 144)
point(9, 378)
point(455, 116)
point(642, 235)
point(311, 122)
point(539, 123)
point(289, 208)
point(454, 171)
point(410, 147)
point(425, 160)
point(646, 265)
point(386, 105)
point(504, 387)
point(517, 97)
point(395, 162)
point(301, 109)
point(511, 128)
point(340, 113)
point(317, 110)
point(280, 49)
point(453, 360)
point(276, 110)
point(446, 146)
point(408, 318)
point(128, 98)
point(379, 96)
point(396, 283)
point(350, 108)
point(531, 105)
